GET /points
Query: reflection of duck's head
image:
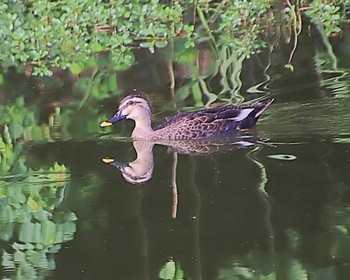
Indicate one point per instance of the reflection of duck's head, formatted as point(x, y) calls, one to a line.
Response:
point(133, 172)
point(140, 170)
point(205, 123)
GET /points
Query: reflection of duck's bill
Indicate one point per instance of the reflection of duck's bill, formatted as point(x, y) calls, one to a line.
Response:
point(120, 165)
point(107, 160)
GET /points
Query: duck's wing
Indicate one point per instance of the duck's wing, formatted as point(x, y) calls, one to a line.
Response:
point(207, 115)
point(204, 123)
point(212, 121)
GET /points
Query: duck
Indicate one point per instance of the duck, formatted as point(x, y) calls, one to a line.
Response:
point(205, 123)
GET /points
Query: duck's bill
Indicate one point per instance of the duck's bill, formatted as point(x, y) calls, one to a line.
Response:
point(104, 124)
point(116, 118)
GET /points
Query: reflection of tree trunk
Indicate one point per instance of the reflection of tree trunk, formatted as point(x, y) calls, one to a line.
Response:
point(174, 186)
point(144, 237)
point(195, 217)
point(171, 76)
point(175, 159)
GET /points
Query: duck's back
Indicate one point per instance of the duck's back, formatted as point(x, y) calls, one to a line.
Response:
point(205, 123)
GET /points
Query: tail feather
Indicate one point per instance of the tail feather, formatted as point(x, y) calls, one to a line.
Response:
point(253, 117)
point(263, 106)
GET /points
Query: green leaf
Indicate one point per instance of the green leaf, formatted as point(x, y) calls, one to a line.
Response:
point(29, 119)
point(146, 45)
point(161, 44)
point(15, 130)
point(289, 66)
point(112, 83)
point(2, 143)
point(96, 47)
point(76, 68)
point(37, 134)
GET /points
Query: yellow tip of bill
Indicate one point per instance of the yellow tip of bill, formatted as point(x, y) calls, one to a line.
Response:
point(107, 160)
point(104, 124)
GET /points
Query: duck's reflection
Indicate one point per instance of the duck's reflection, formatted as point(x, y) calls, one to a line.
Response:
point(140, 170)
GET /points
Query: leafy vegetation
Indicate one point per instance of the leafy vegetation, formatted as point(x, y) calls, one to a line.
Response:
point(68, 34)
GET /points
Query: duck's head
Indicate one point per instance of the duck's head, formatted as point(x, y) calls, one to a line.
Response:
point(134, 107)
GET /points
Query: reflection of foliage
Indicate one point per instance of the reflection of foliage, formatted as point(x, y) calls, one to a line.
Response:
point(225, 65)
point(22, 123)
point(237, 271)
point(325, 14)
point(323, 250)
point(30, 221)
point(171, 271)
point(100, 84)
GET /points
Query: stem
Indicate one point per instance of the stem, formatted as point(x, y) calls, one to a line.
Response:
point(297, 26)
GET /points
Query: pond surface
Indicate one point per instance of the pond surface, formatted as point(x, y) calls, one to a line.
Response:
point(272, 203)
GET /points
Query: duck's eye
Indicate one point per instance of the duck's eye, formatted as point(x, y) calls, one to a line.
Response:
point(131, 102)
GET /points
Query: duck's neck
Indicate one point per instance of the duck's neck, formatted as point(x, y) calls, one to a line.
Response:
point(143, 128)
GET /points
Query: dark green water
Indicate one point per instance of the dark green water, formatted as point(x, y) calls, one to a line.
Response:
point(278, 209)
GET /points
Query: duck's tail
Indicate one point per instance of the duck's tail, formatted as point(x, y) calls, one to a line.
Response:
point(252, 118)
point(261, 107)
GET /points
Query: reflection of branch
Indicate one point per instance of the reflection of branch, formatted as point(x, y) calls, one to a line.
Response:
point(88, 91)
point(175, 159)
point(196, 202)
point(263, 175)
point(328, 46)
point(174, 186)
point(206, 26)
point(263, 180)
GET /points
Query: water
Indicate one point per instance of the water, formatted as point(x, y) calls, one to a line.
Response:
point(273, 203)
